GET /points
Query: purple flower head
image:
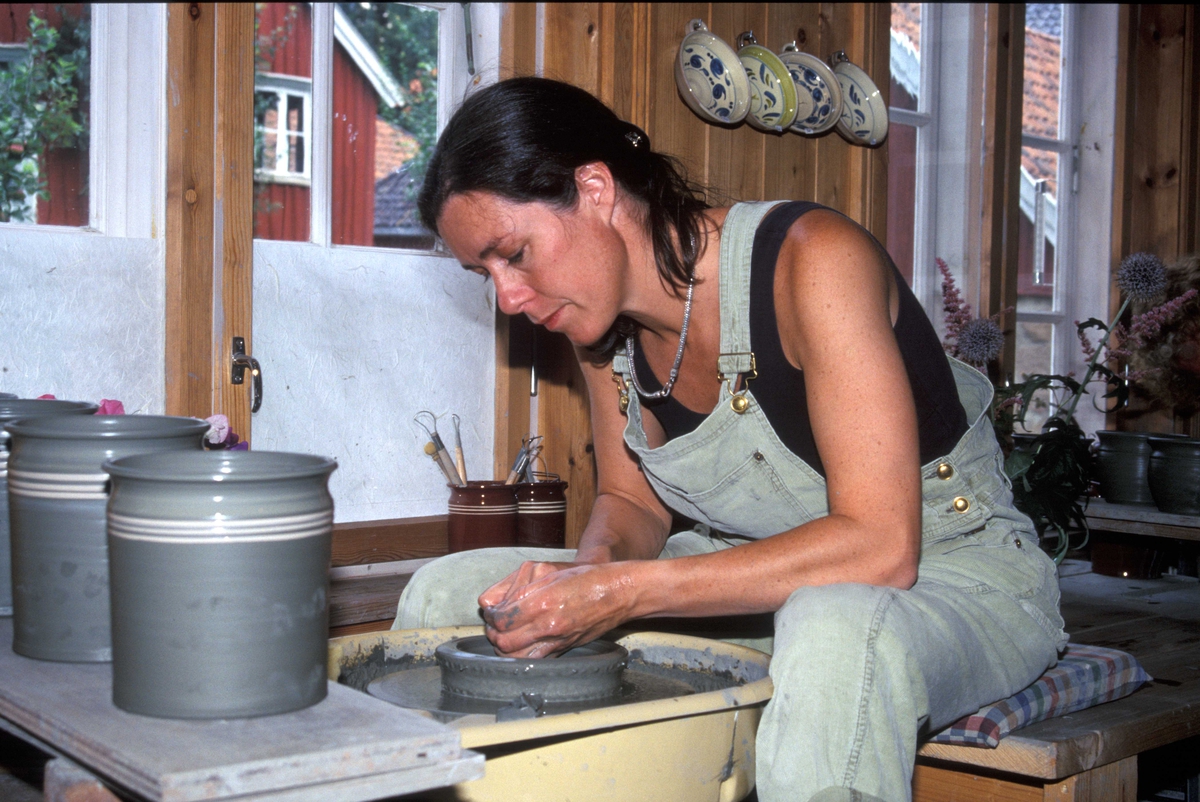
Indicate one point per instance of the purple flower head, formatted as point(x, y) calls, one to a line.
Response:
point(1142, 276)
point(980, 341)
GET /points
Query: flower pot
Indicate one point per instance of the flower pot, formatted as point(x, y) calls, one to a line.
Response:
point(13, 409)
point(57, 495)
point(482, 515)
point(1122, 466)
point(1175, 474)
point(220, 571)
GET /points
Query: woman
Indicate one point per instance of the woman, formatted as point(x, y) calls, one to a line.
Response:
point(838, 480)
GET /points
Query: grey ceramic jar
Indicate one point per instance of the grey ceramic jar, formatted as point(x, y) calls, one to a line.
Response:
point(12, 408)
point(1123, 466)
point(57, 494)
point(1175, 474)
point(220, 569)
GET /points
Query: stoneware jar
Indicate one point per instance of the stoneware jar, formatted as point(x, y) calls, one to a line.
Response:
point(542, 514)
point(1122, 466)
point(1175, 474)
point(220, 571)
point(57, 492)
point(482, 515)
point(12, 408)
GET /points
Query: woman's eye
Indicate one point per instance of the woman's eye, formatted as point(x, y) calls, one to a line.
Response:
point(516, 257)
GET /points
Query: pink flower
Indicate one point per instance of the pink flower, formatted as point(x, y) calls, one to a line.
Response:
point(219, 431)
point(110, 406)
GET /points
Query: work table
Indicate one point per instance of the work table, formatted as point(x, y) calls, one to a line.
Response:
point(346, 748)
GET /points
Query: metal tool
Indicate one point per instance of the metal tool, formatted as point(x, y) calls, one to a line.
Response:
point(460, 461)
point(528, 446)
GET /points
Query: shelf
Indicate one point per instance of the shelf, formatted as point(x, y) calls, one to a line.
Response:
point(1132, 519)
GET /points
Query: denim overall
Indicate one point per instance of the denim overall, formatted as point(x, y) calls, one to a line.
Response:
point(861, 672)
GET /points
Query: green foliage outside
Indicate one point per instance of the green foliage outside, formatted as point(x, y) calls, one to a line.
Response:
point(406, 40)
point(41, 99)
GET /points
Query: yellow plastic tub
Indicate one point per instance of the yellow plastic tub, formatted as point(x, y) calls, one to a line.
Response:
point(697, 748)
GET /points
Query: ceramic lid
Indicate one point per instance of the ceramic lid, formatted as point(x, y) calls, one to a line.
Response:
point(864, 119)
point(816, 82)
point(773, 96)
point(708, 78)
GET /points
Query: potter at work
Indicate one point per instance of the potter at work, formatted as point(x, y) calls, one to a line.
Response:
point(763, 370)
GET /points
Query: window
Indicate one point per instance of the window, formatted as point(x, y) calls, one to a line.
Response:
point(282, 121)
point(44, 102)
point(935, 153)
point(384, 115)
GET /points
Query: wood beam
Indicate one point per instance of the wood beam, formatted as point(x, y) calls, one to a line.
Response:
point(209, 237)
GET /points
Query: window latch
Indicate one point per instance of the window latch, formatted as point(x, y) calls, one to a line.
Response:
point(242, 361)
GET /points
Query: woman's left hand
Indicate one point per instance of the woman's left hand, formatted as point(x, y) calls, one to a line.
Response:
point(544, 609)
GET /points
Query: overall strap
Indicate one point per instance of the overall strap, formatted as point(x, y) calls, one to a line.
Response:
point(737, 246)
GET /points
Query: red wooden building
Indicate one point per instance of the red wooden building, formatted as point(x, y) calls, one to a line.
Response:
point(284, 121)
point(65, 170)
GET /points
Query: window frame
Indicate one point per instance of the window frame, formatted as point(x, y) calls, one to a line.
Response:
point(284, 86)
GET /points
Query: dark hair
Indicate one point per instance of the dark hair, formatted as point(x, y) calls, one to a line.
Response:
point(522, 140)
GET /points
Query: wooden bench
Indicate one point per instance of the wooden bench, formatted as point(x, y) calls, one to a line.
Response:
point(1091, 755)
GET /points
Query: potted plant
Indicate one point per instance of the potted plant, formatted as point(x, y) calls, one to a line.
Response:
point(1051, 474)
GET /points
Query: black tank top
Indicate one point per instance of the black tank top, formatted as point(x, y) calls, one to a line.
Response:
point(779, 388)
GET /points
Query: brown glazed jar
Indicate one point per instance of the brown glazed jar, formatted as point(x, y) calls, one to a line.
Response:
point(482, 515)
point(542, 514)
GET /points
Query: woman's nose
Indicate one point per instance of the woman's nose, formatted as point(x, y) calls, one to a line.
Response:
point(511, 294)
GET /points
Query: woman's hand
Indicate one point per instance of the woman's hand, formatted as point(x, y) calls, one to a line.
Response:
point(544, 609)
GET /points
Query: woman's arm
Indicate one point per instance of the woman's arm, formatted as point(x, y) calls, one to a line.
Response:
point(834, 299)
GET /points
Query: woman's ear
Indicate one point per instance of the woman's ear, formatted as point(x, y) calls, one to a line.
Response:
point(596, 186)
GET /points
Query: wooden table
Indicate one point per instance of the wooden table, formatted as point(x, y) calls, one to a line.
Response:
point(1132, 519)
point(347, 748)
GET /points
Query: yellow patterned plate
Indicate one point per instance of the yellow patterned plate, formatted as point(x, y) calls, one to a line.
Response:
point(773, 97)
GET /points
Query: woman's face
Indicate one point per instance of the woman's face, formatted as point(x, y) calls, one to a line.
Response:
point(558, 268)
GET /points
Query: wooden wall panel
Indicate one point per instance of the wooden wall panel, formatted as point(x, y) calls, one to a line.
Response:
point(624, 53)
point(1156, 204)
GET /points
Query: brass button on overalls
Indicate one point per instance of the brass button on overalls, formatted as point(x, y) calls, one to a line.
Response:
point(945, 470)
point(961, 504)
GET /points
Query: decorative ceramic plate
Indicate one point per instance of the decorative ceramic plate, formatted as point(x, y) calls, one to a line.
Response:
point(864, 119)
point(813, 79)
point(708, 78)
point(773, 96)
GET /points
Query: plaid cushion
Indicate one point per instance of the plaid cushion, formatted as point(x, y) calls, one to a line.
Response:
point(1084, 676)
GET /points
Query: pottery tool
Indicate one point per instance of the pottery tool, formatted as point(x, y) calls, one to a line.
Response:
point(460, 462)
point(439, 452)
point(442, 460)
point(529, 447)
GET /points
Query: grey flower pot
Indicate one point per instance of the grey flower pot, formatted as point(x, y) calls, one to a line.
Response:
point(1175, 474)
point(57, 493)
point(1123, 466)
point(12, 408)
point(220, 569)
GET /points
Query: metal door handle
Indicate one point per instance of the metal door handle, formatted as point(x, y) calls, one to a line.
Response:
point(241, 361)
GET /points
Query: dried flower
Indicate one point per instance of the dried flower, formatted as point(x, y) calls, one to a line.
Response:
point(219, 430)
point(980, 341)
point(957, 311)
point(1142, 276)
point(110, 406)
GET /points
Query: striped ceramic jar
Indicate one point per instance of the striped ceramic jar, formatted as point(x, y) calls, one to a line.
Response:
point(220, 566)
point(482, 515)
point(542, 514)
point(11, 409)
point(57, 492)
